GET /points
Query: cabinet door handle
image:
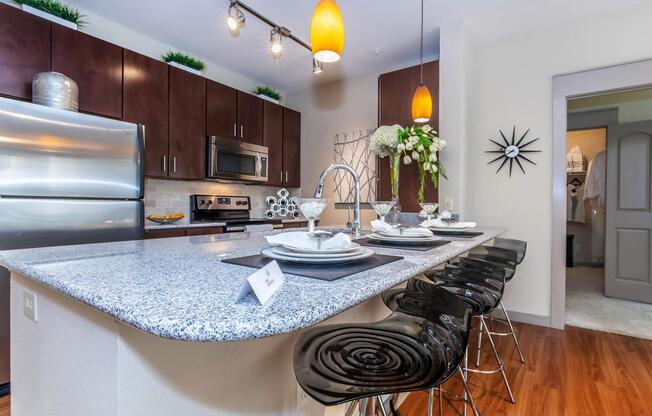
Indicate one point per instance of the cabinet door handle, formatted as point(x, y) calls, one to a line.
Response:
point(165, 163)
point(281, 177)
point(286, 177)
point(174, 164)
point(235, 130)
point(241, 131)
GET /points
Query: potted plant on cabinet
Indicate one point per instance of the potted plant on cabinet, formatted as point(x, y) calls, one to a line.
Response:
point(269, 94)
point(185, 62)
point(54, 11)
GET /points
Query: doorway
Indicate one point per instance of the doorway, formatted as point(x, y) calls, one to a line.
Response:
point(594, 296)
point(578, 99)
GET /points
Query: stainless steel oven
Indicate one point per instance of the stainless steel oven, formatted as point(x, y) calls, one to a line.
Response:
point(233, 160)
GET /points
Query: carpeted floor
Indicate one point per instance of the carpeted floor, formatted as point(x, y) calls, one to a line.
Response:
point(587, 307)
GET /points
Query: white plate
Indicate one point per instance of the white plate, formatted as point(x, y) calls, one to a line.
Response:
point(352, 247)
point(381, 237)
point(290, 253)
point(270, 253)
point(450, 228)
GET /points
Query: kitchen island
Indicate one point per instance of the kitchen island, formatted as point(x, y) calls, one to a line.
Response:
point(141, 327)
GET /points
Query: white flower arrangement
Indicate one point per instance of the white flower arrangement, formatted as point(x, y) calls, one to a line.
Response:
point(384, 141)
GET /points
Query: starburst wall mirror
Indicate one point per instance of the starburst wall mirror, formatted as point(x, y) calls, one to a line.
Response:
point(512, 151)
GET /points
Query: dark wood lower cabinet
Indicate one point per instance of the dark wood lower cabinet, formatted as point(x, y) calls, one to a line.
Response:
point(204, 231)
point(176, 232)
point(395, 90)
point(187, 128)
point(24, 51)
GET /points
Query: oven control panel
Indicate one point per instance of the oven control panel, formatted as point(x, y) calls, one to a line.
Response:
point(217, 202)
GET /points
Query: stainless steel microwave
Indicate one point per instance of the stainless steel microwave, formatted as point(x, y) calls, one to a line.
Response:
point(234, 160)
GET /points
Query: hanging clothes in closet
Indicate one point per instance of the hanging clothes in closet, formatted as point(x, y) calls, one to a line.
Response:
point(595, 191)
point(575, 201)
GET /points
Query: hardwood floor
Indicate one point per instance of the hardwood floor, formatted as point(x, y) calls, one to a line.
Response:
point(575, 372)
point(4, 406)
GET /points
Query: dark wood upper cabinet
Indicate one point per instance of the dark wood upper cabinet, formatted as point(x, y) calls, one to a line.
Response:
point(273, 139)
point(187, 128)
point(24, 51)
point(221, 110)
point(96, 67)
point(395, 90)
point(145, 101)
point(250, 118)
point(291, 148)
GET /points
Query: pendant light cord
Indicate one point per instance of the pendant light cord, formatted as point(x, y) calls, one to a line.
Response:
point(421, 76)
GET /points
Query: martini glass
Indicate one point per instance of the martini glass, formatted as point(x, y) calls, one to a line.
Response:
point(429, 208)
point(382, 208)
point(311, 208)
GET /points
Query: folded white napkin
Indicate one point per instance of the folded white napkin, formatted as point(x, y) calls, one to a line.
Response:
point(438, 223)
point(382, 227)
point(301, 239)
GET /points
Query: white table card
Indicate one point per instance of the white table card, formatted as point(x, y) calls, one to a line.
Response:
point(264, 283)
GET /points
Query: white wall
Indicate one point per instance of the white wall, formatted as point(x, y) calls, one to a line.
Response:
point(326, 110)
point(510, 83)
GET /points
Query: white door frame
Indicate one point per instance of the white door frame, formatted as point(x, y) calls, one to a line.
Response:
point(595, 81)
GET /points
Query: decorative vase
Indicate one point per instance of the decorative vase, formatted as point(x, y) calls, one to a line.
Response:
point(394, 176)
point(56, 90)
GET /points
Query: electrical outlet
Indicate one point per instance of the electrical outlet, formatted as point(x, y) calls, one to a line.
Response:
point(448, 204)
point(30, 305)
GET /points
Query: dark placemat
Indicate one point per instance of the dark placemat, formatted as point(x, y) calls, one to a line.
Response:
point(328, 272)
point(425, 246)
point(457, 234)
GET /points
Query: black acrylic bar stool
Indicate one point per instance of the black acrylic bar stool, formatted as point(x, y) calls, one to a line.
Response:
point(482, 289)
point(419, 346)
point(507, 253)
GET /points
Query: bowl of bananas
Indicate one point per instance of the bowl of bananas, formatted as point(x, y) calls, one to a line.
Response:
point(165, 219)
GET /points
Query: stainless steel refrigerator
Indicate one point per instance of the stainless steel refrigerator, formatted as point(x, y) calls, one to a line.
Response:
point(65, 178)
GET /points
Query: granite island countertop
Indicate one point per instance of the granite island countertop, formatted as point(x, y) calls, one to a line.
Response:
point(178, 288)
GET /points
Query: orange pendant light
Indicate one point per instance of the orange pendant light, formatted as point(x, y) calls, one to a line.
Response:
point(327, 32)
point(421, 100)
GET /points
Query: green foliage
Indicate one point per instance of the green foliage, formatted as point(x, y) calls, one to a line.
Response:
point(56, 8)
point(184, 59)
point(269, 92)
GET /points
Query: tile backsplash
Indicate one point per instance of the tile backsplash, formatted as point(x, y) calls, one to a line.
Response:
point(165, 197)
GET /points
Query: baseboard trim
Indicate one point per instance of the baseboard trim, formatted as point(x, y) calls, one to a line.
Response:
point(4, 389)
point(526, 318)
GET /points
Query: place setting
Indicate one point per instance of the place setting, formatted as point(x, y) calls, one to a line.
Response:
point(317, 254)
point(446, 225)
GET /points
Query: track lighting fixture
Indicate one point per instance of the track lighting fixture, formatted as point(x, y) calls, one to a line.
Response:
point(327, 30)
point(276, 43)
point(317, 67)
point(235, 20)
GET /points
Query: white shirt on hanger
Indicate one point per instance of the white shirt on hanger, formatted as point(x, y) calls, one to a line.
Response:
point(595, 186)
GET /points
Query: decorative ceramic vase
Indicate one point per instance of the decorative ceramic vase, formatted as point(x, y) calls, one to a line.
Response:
point(56, 90)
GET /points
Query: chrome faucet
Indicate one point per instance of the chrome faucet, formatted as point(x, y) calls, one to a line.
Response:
point(355, 225)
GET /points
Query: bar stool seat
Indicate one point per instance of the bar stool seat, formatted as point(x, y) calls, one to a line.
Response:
point(417, 347)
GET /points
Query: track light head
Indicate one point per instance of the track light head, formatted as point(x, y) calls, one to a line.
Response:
point(235, 20)
point(276, 42)
point(317, 67)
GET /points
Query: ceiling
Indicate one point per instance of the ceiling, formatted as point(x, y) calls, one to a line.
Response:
point(380, 34)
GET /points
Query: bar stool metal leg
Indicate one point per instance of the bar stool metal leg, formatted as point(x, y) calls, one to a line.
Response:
point(381, 405)
point(441, 401)
point(351, 409)
point(467, 392)
point(431, 396)
point(477, 357)
point(501, 366)
point(465, 373)
point(513, 331)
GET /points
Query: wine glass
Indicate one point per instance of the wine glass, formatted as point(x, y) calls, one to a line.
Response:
point(429, 208)
point(311, 208)
point(382, 208)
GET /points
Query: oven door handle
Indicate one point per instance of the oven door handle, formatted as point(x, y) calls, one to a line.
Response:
point(235, 229)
